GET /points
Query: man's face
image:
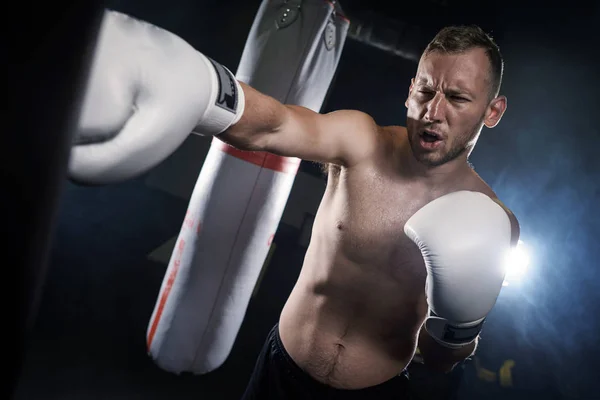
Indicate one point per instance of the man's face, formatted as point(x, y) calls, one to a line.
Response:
point(448, 103)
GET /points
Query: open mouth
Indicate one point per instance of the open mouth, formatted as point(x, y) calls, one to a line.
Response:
point(430, 140)
point(429, 137)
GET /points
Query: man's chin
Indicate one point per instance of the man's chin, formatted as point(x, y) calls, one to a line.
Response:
point(427, 158)
point(430, 161)
point(437, 158)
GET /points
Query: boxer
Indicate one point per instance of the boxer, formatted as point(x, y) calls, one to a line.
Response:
point(408, 243)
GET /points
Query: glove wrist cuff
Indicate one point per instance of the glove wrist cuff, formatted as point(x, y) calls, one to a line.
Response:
point(227, 101)
point(452, 335)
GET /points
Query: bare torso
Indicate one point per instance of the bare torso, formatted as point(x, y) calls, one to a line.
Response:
point(353, 317)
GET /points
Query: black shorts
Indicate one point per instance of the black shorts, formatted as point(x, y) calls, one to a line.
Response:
point(277, 376)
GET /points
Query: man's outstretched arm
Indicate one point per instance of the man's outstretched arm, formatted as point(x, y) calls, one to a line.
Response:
point(342, 137)
point(148, 90)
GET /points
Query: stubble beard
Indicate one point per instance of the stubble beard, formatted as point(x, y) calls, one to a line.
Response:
point(458, 147)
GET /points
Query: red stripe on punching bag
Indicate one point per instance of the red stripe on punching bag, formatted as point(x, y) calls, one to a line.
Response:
point(287, 165)
point(165, 293)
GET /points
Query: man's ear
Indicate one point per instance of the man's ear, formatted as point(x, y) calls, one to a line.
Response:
point(410, 88)
point(495, 111)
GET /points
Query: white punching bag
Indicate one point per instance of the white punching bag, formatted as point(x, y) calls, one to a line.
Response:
point(291, 54)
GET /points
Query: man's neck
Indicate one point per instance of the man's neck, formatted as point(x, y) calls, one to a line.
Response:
point(437, 175)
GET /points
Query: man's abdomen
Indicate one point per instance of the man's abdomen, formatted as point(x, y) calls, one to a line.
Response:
point(347, 328)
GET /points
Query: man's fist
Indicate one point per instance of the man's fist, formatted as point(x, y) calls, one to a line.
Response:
point(147, 91)
point(464, 238)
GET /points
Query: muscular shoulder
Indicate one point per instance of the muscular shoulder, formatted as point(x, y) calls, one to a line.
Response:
point(387, 142)
point(358, 131)
point(353, 122)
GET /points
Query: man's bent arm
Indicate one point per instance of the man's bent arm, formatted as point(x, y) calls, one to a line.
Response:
point(475, 218)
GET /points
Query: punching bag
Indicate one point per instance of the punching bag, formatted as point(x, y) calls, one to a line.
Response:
point(291, 54)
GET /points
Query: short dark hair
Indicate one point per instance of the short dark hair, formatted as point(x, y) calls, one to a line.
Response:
point(461, 38)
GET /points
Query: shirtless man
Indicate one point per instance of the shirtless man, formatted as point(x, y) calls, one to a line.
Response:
point(408, 243)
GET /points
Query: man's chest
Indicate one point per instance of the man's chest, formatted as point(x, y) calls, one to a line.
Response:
point(366, 215)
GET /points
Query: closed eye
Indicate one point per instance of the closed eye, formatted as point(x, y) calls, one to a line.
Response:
point(459, 98)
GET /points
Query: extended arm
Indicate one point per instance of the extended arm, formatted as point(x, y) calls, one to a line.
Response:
point(343, 137)
point(148, 89)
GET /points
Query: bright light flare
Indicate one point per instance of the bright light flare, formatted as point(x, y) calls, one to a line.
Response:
point(516, 264)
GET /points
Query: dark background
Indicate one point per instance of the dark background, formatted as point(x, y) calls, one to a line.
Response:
point(542, 160)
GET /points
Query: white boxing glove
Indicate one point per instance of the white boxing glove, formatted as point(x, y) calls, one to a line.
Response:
point(148, 89)
point(464, 238)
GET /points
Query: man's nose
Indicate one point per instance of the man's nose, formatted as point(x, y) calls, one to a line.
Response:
point(434, 111)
